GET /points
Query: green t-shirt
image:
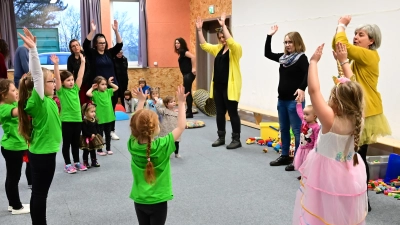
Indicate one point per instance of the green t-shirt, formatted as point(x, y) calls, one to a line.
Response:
point(46, 134)
point(11, 139)
point(161, 190)
point(104, 110)
point(70, 104)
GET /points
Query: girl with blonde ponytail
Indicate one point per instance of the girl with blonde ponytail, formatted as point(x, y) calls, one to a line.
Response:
point(151, 169)
point(320, 199)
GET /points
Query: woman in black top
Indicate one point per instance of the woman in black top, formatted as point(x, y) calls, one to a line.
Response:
point(101, 60)
point(187, 65)
point(293, 72)
point(121, 71)
point(73, 65)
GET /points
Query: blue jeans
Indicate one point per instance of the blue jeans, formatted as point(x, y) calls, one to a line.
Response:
point(288, 118)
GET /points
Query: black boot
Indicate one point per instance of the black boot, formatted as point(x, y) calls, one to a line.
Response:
point(235, 141)
point(221, 139)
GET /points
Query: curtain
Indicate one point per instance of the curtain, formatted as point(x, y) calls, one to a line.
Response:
point(90, 10)
point(8, 30)
point(142, 59)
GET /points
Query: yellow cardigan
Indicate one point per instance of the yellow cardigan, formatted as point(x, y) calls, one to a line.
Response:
point(365, 67)
point(235, 77)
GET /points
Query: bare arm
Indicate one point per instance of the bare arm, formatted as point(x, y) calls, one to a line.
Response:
point(81, 71)
point(89, 93)
point(323, 111)
point(14, 112)
point(193, 60)
point(199, 27)
point(141, 98)
point(55, 61)
point(91, 34)
point(110, 82)
point(117, 35)
point(177, 132)
point(340, 54)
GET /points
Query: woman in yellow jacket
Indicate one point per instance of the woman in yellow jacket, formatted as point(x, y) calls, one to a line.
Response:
point(364, 60)
point(227, 80)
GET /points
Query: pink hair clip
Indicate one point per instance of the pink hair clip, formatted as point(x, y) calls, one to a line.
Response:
point(340, 80)
point(148, 159)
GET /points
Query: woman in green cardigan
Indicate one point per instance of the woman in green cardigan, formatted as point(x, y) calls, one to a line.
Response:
point(364, 60)
point(227, 80)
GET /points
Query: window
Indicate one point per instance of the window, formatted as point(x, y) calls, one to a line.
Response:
point(127, 14)
point(55, 24)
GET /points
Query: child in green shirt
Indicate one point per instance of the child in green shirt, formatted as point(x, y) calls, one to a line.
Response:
point(151, 168)
point(105, 113)
point(40, 125)
point(13, 145)
point(71, 116)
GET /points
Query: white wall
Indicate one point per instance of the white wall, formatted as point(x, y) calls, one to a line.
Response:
point(316, 21)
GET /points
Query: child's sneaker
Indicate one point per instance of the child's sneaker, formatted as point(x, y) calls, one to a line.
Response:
point(177, 156)
point(69, 169)
point(95, 163)
point(86, 163)
point(80, 167)
point(101, 153)
point(109, 152)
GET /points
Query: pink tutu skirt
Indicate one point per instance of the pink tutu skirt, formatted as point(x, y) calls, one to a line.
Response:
point(300, 157)
point(331, 192)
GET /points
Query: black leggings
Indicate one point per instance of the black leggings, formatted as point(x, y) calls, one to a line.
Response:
point(223, 104)
point(187, 83)
point(43, 167)
point(176, 147)
point(71, 132)
point(13, 165)
point(86, 152)
point(363, 153)
point(106, 129)
point(154, 214)
point(114, 101)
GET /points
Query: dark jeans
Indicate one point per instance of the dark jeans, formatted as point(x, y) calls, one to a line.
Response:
point(71, 132)
point(176, 147)
point(114, 100)
point(106, 129)
point(187, 83)
point(13, 165)
point(154, 214)
point(223, 104)
point(86, 152)
point(288, 118)
point(43, 167)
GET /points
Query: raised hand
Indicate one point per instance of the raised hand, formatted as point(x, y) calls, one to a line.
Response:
point(199, 23)
point(345, 19)
point(28, 38)
point(93, 26)
point(317, 54)
point(83, 60)
point(115, 26)
point(139, 94)
point(110, 80)
point(221, 20)
point(180, 93)
point(54, 59)
point(94, 86)
point(273, 30)
point(340, 52)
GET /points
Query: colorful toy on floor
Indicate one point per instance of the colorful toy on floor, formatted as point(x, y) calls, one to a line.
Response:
point(390, 189)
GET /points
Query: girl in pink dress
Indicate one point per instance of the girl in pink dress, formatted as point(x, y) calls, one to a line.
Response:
point(332, 186)
point(308, 133)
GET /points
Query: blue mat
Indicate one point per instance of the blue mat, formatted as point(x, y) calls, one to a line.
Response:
point(121, 116)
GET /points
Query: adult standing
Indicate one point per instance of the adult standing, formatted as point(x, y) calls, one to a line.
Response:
point(121, 70)
point(226, 83)
point(101, 59)
point(293, 73)
point(73, 65)
point(187, 65)
point(21, 63)
point(365, 66)
point(4, 53)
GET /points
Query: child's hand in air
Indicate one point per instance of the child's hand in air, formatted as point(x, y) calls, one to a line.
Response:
point(110, 80)
point(317, 54)
point(94, 86)
point(340, 52)
point(28, 38)
point(54, 59)
point(180, 93)
point(139, 94)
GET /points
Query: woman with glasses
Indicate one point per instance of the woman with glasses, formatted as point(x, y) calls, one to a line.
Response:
point(293, 72)
point(227, 80)
point(101, 62)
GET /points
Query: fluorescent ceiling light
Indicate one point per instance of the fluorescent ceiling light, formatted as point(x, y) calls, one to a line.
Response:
point(53, 1)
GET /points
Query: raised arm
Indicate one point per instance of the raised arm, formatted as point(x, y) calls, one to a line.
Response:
point(141, 98)
point(92, 32)
point(177, 132)
point(193, 60)
point(199, 27)
point(55, 61)
point(34, 62)
point(117, 35)
point(110, 82)
point(225, 30)
point(341, 55)
point(89, 93)
point(299, 109)
point(81, 71)
point(323, 111)
point(267, 49)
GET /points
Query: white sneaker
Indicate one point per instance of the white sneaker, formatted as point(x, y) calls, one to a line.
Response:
point(24, 210)
point(10, 208)
point(114, 136)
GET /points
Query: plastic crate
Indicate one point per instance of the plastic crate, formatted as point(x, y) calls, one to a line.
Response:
point(377, 166)
point(269, 130)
